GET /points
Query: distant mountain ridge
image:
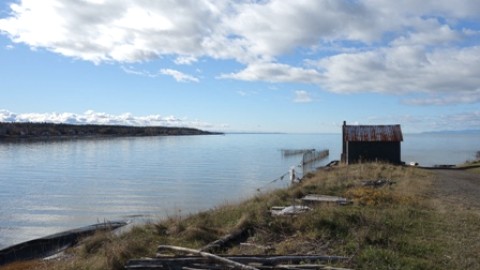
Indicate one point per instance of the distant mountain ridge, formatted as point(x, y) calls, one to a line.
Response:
point(16, 130)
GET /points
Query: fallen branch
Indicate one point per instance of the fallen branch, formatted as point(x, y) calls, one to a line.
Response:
point(234, 264)
point(228, 240)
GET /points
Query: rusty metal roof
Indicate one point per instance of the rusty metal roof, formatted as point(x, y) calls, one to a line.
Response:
point(383, 133)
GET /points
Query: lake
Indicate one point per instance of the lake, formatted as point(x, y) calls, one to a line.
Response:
point(51, 186)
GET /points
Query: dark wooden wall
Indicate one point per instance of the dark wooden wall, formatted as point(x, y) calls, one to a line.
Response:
point(373, 151)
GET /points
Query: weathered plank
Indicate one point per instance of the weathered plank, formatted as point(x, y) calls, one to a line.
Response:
point(314, 198)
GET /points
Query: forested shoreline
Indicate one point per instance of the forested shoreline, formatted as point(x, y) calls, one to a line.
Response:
point(52, 130)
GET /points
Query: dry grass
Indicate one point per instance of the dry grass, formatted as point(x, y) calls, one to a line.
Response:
point(28, 265)
point(472, 166)
point(392, 227)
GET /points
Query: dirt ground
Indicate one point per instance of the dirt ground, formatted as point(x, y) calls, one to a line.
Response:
point(457, 187)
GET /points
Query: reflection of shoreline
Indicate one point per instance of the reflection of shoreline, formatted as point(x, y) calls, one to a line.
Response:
point(20, 132)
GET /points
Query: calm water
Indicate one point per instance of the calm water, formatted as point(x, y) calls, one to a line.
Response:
point(46, 187)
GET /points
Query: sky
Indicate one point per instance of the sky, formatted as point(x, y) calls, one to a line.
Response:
point(299, 66)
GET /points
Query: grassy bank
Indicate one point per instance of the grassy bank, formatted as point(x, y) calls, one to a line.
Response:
point(472, 166)
point(398, 226)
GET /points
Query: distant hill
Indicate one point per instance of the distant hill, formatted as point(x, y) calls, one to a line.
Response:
point(50, 130)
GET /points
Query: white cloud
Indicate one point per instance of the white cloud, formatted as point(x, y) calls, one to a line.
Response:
point(302, 96)
point(275, 72)
point(7, 116)
point(381, 46)
point(133, 71)
point(125, 31)
point(185, 60)
point(112, 30)
point(465, 97)
point(178, 76)
point(175, 74)
point(92, 117)
point(419, 123)
point(463, 120)
point(459, 9)
point(402, 70)
point(431, 33)
point(304, 23)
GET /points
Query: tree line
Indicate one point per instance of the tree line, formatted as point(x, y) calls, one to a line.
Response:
point(48, 130)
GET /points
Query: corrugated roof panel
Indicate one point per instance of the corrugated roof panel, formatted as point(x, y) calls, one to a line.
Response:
point(390, 133)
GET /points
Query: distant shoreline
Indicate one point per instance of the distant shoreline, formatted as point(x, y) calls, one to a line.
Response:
point(45, 131)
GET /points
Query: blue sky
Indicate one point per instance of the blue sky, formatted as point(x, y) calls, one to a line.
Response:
point(264, 66)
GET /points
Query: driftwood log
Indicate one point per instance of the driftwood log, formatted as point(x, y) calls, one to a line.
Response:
point(207, 255)
point(260, 262)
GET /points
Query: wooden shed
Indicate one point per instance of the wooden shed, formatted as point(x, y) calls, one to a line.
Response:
point(371, 143)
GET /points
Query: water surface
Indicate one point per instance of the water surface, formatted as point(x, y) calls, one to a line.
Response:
point(46, 187)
